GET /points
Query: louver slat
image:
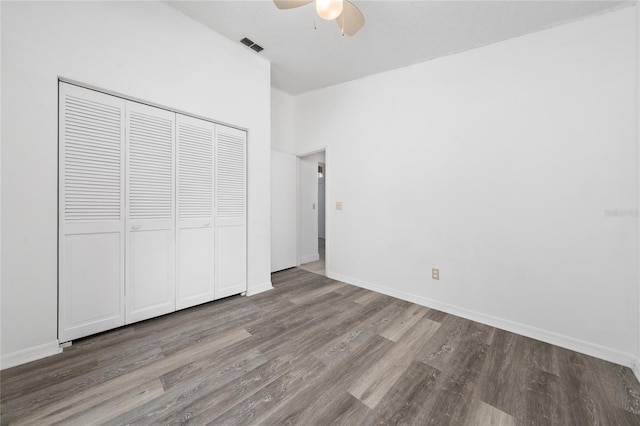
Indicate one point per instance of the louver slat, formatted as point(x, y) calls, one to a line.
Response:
point(195, 172)
point(150, 167)
point(92, 167)
point(230, 174)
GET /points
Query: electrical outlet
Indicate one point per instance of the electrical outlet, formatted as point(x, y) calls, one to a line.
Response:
point(435, 273)
point(338, 205)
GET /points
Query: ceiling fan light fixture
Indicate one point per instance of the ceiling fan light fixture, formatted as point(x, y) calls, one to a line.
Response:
point(346, 14)
point(329, 9)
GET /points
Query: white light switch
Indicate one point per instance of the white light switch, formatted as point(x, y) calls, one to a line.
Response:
point(338, 205)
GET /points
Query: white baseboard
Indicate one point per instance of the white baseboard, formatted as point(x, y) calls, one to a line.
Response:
point(309, 258)
point(31, 354)
point(636, 369)
point(577, 345)
point(253, 290)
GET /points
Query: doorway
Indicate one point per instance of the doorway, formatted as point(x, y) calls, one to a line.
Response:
point(312, 196)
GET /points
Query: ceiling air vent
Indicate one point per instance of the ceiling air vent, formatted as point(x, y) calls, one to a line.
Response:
point(252, 45)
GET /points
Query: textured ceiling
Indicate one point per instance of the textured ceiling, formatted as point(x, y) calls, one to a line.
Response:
point(396, 33)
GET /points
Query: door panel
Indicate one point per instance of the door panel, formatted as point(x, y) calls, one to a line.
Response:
point(195, 266)
point(150, 212)
point(231, 261)
point(91, 212)
point(150, 272)
point(196, 257)
point(231, 226)
point(92, 302)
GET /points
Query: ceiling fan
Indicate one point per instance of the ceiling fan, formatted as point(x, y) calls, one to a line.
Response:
point(346, 14)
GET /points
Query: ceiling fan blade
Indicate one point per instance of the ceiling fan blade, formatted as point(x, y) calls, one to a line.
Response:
point(351, 19)
point(290, 4)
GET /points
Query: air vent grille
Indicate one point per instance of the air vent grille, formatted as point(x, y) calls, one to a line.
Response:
point(250, 44)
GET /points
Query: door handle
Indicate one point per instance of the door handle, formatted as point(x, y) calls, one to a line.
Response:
point(135, 227)
point(207, 224)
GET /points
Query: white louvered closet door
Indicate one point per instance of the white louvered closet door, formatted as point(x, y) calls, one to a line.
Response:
point(195, 236)
point(150, 225)
point(91, 212)
point(231, 204)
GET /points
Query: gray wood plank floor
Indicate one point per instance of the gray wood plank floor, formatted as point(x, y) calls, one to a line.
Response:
point(317, 266)
point(317, 351)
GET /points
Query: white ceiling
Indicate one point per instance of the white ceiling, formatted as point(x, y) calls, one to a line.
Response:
point(396, 33)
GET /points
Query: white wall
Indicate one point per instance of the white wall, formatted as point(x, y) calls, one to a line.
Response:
point(637, 7)
point(145, 50)
point(284, 201)
point(495, 165)
point(308, 206)
point(284, 204)
point(282, 139)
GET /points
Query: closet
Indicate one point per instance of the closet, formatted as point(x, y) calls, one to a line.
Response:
point(152, 211)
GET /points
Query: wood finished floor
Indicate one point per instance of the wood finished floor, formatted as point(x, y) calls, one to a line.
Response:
point(317, 266)
point(317, 351)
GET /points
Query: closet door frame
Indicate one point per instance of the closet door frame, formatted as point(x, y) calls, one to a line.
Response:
point(122, 315)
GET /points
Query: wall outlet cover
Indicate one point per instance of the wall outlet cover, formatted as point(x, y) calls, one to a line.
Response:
point(435, 273)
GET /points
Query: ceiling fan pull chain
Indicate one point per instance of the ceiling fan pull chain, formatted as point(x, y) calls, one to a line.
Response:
point(346, 14)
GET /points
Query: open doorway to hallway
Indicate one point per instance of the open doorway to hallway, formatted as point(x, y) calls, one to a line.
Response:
point(312, 213)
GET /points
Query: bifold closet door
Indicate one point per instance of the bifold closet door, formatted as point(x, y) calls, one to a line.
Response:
point(150, 221)
point(195, 230)
point(231, 227)
point(91, 212)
